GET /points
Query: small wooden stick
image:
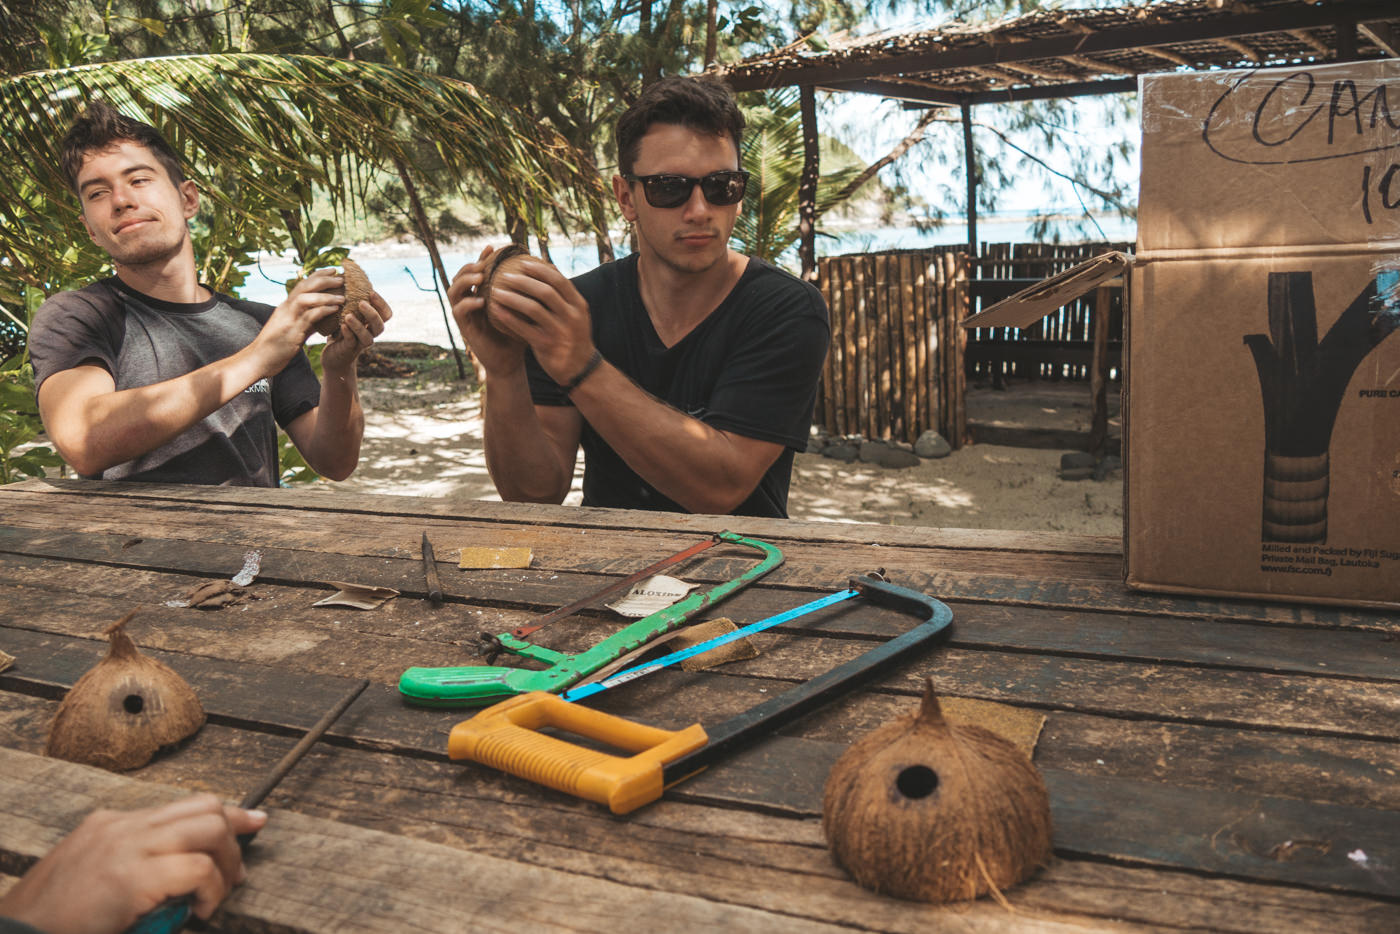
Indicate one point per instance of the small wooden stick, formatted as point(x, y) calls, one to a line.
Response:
point(253, 798)
point(430, 571)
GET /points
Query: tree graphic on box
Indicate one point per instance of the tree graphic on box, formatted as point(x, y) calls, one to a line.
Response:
point(1303, 381)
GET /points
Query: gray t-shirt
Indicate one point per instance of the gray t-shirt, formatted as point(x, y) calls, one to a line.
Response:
point(142, 340)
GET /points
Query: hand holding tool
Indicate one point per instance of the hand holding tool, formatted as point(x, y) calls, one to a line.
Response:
point(174, 912)
point(506, 736)
point(477, 685)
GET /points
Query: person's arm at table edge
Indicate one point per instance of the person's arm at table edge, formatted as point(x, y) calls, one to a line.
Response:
point(531, 449)
point(95, 426)
point(329, 436)
point(118, 865)
point(701, 468)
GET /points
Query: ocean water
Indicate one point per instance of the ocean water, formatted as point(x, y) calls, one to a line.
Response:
point(403, 274)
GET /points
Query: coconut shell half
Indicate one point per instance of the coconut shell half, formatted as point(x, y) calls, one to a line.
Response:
point(936, 812)
point(123, 709)
point(355, 290)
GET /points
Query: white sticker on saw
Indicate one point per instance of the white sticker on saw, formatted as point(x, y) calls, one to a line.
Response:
point(649, 596)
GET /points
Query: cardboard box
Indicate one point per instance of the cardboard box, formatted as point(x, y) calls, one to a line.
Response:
point(1262, 373)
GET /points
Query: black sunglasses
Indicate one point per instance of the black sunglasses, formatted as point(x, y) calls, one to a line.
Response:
point(671, 191)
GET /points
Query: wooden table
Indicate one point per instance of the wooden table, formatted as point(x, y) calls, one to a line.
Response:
point(1212, 764)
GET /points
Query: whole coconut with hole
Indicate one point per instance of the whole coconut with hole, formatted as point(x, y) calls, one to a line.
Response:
point(124, 709)
point(356, 289)
point(507, 259)
point(936, 812)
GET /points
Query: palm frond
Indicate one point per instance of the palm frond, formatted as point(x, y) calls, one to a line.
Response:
point(263, 129)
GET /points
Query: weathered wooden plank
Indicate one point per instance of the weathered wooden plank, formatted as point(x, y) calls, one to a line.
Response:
point(311, 874)
point(1175, 901)
point(738, 857)
point(244, 694)
point(864, 345)
point(317, 500)
point(749, 860)
point(1292, 765)
point(120, 541)
point(1305, 843)
point(1051, 580)
point(1347, 706)
point(955, 336)
point(850, 323)
point(66, 593)
point(1338, 702)
point(1170, 693)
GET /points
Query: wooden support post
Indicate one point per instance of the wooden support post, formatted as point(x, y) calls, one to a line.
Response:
point(970, 166)
point(959, 268)
point(807, 187)
point(1346, 42)
point(1098, 372)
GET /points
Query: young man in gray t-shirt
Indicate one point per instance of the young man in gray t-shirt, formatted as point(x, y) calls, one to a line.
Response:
point(150, 375)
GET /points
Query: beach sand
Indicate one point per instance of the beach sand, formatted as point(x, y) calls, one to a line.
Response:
point(423, 438)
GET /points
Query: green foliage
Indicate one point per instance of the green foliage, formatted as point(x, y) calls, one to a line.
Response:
point(773, 154)
point(318, 251)
point(292, 467)
point(259, 133)
point(70, 44)
point(20, 425)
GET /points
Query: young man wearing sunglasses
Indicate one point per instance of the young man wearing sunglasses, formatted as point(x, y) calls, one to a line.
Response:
point(686, 371)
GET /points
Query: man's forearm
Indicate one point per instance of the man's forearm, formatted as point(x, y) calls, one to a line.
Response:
point(524, 462)
point(96, 427)
point(332, 448)
point(701, 468)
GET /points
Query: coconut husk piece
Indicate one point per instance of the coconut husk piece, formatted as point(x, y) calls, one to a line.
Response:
point(123, 709)
point(928, 810)
point(213, 595)
point(506, 259)
point(355, 290)
point(737, 650)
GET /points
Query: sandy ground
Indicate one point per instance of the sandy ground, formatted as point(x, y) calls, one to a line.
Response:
point(424, 439)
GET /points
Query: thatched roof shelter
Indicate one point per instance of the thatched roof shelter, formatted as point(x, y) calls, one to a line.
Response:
point(1069, 53)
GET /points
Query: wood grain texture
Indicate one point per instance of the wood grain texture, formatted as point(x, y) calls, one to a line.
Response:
point(312, 874)
point(1214, 764)
point(747, 859)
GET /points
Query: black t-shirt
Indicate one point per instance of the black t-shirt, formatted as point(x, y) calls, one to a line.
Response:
point(142, 340)
point(751, 368)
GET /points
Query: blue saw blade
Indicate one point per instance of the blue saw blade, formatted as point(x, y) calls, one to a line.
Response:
point(631, 674)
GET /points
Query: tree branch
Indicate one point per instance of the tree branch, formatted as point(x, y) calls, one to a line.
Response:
point(915, 136)
point(1078, 182)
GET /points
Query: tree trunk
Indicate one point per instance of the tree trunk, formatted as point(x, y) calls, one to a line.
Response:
point(970, 166)
point(516, 227)
point(711, 30)
point(651, 67)
point(425, 234)
point(807, 188)
point(915, 135)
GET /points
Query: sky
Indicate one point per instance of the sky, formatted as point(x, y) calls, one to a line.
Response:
point(872, 126)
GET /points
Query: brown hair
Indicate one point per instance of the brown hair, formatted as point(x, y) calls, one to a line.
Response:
point(102, 127)
point(704, 104)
